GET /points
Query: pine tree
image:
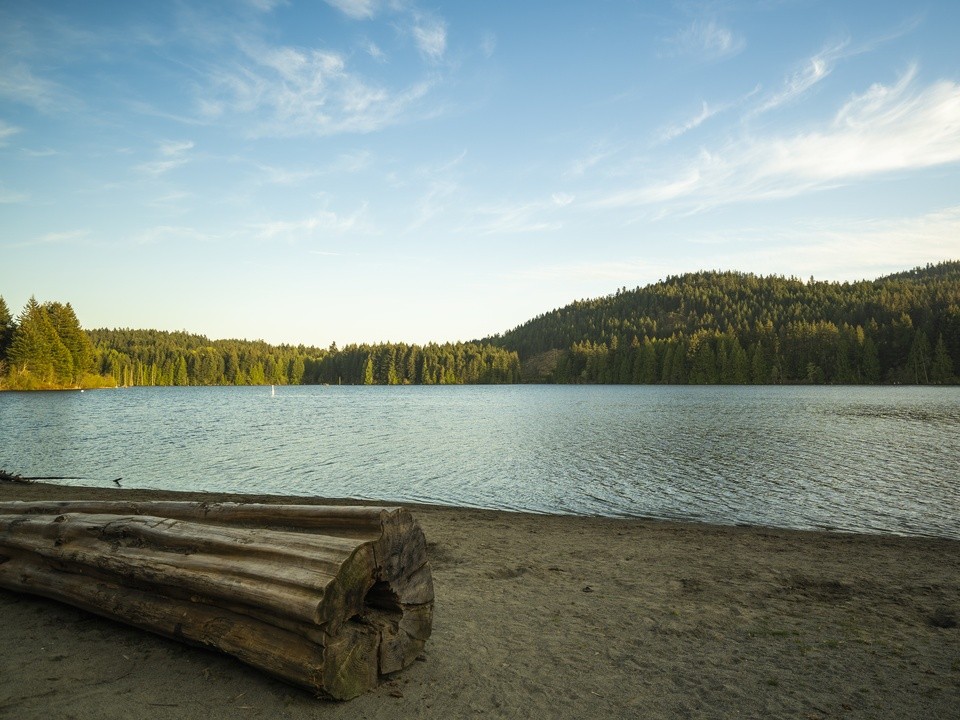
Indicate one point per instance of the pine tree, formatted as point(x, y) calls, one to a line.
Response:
point(368, 371)
point(77, 342)
point(871, 361)
point(6, 328)
point(941, 371)
point(37, 349)
point(918, 359)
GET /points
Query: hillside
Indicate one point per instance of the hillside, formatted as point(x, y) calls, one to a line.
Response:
point(697, 328)
point(716, 327)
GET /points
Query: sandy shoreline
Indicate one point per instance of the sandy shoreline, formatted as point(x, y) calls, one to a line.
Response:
point(545, 616)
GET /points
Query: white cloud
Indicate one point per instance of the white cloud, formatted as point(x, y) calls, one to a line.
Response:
point(887, 128)
point(289, 92)
point(356, 9)
point(11, 197)
point(562, 199)
point(7, 131)
point(811, 72)
point(707, 40)
point(175, 148)
point(676, 131)
point(19, 84)
point(430, 35)
point(65, 237)
point(171, 233)
point(283, 176)
point(173, 154)
point(520, 218)
point(322, 221)
point(842, 250)
point(45, 152)
point(374, 51)
point(594, 157)
point(266, 5)
point(488, 44)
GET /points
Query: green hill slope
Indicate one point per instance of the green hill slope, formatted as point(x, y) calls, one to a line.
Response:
point(729, 327)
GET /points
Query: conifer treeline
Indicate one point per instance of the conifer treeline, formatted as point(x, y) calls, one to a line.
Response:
point(726, 327)
point(706, 327)
point(151, 357)
point(46, 348)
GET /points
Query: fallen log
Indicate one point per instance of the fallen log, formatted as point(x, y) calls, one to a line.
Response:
point(329, 598)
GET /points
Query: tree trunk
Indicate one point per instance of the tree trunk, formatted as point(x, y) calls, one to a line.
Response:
point(328, 598)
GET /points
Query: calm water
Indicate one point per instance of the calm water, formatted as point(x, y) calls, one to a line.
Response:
point(861, 459)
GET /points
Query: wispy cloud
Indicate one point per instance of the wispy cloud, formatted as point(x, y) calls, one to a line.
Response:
point(522, 218)
point(592, 158)
point(374, 51)
point(284, 176)
point(66, 237)
point(430, 35)
point(45, 152)
point(7, 131)
point(173, 154)
point(675, 131)
point(291, 91)
point(265, 5)
point(356, 9)
point(705, 40)
point(835, 249)
point(19, 84)
point(887, 128)
point(12, 197)
point(322, 221)
point(803, 78)
point(163, 234)
point(488, 44)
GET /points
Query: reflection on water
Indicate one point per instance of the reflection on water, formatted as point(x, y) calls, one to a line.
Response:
point(860, 459)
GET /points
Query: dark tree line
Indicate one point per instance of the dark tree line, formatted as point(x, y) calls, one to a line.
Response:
point(45, 347)
point(725, 327)
point(152, 357)
point(699, 328)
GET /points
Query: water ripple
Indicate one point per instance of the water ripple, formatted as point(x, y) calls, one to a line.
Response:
point(859, 459)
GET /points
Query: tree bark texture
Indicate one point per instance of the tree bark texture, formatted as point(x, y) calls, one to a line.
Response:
point(328, 598)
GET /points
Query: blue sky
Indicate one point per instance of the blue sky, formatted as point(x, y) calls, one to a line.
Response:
point(370, 170)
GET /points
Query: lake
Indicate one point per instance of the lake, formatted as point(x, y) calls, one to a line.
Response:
point(862, 459)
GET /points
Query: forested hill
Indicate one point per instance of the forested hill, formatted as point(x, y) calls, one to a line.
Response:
point(730, 327)
point(705, 327)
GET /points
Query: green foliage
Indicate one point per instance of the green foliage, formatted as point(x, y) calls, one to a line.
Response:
point(726, 327)
point(45, 349)
point(706, 327)
point(151, 357)
point(6, 328)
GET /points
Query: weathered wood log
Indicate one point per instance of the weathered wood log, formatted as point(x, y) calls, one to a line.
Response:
point(328, 598)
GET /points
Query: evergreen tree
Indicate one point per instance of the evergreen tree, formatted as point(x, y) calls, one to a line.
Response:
point(871, 361)
point(6, 328)
point(918, 360)
point(37, 349)
point(941, 371)
point(77, 342)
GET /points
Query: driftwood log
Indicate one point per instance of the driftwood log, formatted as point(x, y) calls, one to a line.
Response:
point(328, 598)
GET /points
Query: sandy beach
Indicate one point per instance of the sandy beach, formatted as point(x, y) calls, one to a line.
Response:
point(546, 616)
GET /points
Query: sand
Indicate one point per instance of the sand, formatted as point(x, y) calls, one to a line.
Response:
point(545, 616)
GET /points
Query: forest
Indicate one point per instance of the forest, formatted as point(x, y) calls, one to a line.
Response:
point(738, 328)
point(697, 328)
point(45, 348)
